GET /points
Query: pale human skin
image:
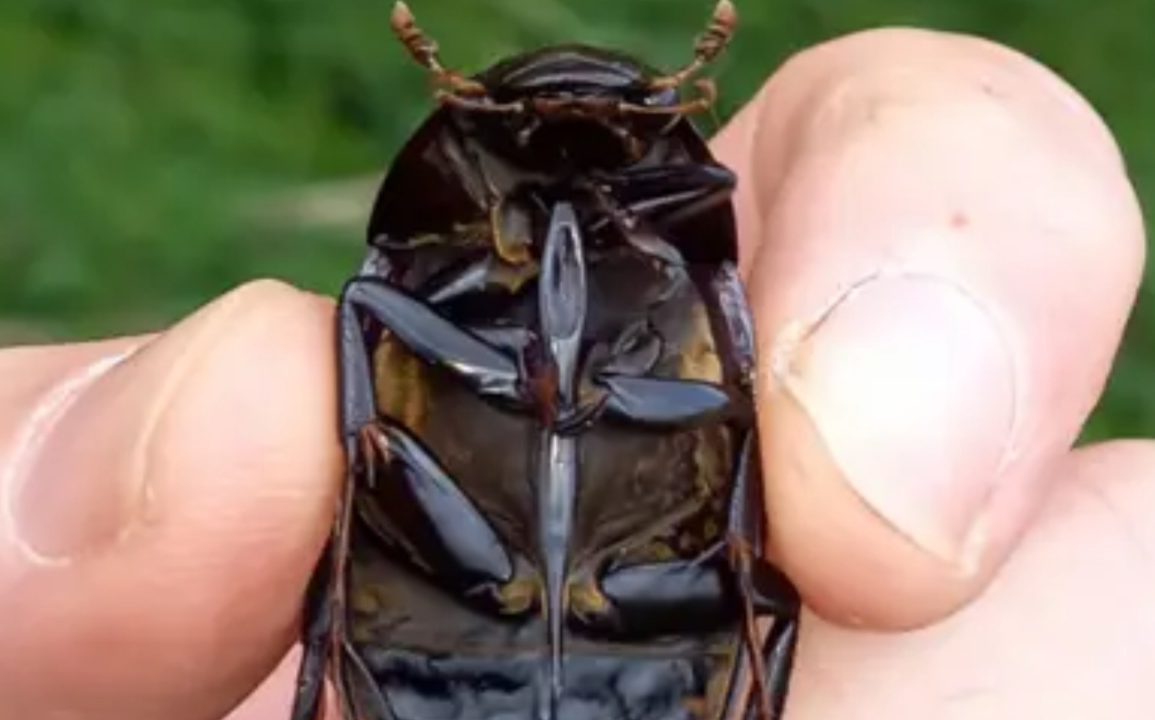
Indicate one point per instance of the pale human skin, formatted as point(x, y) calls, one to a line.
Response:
point(942, 247)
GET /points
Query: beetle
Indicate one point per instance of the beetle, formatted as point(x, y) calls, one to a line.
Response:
point(553, 507)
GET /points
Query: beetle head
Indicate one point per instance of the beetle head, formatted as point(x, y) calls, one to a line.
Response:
point(573, 104)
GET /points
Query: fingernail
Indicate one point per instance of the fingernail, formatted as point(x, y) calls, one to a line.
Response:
point(912, 388)
point(79, 476)
point(68, 489)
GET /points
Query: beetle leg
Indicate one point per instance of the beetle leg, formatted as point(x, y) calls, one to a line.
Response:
point(323, 618)
point(667, 195)
point(728, 297)
point(776, 594)
point(316, 640)
point(478, 276)
point(623, 391)
point(323, 629)
point(661, 402)
point(484, 369)
point(634, 230)
point(764, 589)
point(422, 510)
point(362, 699)
point(655, 598)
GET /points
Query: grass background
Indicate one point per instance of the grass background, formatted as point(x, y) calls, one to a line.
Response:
point(139, 138)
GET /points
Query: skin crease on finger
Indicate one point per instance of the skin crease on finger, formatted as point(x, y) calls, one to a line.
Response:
point(882, 164)
point(1065, 632)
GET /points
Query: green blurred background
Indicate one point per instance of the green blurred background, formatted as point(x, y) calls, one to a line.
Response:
point(147, 147)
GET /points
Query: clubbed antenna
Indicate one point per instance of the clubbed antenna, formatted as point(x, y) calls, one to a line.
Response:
point(425, 51)
point(709, 45)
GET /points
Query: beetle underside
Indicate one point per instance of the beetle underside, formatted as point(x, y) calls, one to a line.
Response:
point(553, 509)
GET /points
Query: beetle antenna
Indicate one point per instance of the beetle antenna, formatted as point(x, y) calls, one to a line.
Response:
point(426, 52)
point(709, 45)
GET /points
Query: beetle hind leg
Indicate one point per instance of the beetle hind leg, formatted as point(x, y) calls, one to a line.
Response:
point(315, 638)
point(323, 627)
point(764, 590)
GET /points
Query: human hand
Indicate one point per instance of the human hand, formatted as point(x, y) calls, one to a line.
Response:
point(941, 247)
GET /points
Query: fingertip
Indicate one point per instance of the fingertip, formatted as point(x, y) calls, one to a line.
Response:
point(223, 429)
point(916, 209)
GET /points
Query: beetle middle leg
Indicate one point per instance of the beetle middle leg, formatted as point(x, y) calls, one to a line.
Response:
point(668, 194)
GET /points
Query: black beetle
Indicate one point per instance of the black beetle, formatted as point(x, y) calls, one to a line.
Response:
point(553, 508)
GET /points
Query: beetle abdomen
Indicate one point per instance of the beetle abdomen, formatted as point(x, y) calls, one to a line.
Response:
point(434, 657)
point(421, 686)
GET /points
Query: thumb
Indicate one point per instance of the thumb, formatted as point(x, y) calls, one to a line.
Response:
point(163, 502)
point(947, 251)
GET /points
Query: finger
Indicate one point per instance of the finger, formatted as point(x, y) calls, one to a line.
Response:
point(943, 248)
point(160, 507)
point(273, 700)
point(1065, 632)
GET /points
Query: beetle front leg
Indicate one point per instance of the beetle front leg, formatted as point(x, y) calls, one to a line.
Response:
point(484, 369)
point(669, 194)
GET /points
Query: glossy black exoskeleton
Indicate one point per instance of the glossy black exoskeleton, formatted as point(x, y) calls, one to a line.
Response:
point(553, 509)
